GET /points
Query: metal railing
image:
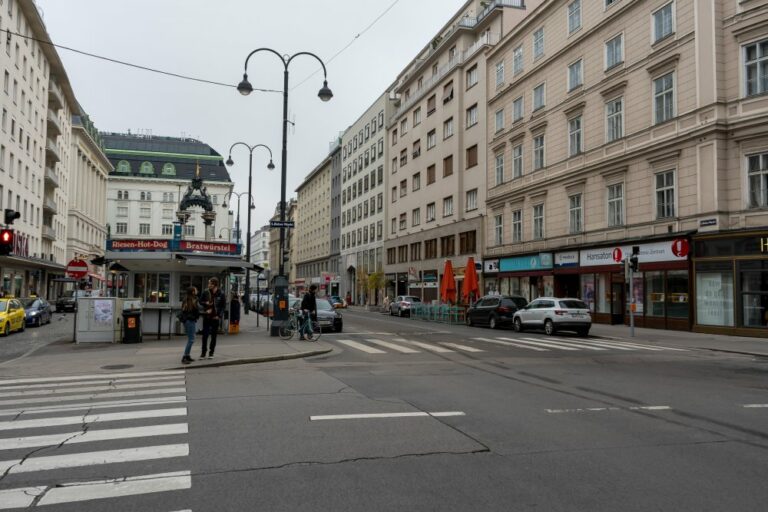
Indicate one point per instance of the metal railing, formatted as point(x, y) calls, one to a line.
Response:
point(50, 177)
point(444, 313)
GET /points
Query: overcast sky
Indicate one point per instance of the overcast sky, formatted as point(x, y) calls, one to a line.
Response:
point(210, 40)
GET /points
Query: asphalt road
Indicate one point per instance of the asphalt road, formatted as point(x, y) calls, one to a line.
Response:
point(32, 338)
point(413, 416)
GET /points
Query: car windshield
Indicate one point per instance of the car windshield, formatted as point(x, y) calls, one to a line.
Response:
point(27, 302)
point(3, 306)
point(67, 293)
point(324, 305)
point(573, 304)
point(520, 302)
point(412, 299)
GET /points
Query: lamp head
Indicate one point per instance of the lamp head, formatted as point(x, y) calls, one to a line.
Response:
point(229, 161)
point(270, 165)
point(245, 88)
point(224, 204)
point(325, 93)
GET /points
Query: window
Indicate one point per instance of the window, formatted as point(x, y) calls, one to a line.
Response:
point(448, 206)
point(575, 214)
point(472, 76)
point(499, 167)
point(416, 182)
point(393, 226)
point(404, 126)
point(756, 67)
point(147, 168)
point(471, 156)
point(122, 195)
point(121, 228)
point(517, 161)
point(403, 157)
point(575, 75)
point(664, 98)
point(472, 116)
point(614, 53)
point(416, 251)
point(616, 205)
point(499, 120)
point(416, 217)
point(122, 211)
point(394, 194)
point(663, 22)
point(517, 60)
point(430, 249)
point(538, 221)
point(123, 166)
point(538, 152)
point(417, 116)
point(394, 136)
point(757, 174)
point(447, 166)
point(430, 212)
point(539, 97)
point(471, 200)
point(447, 245)
point(145, 212)
point(431, 139)
point(391, 256)
point(168, 170)
point(143, 229)
point(517, 109)
point(517, 226)
point(403, 221)
point(665, 195)
point(416, 149)
point(467, 242)
point(145, 196)
point(431, 102)
point(575, 139)
point(574, 16)
point(614, 119)
point(448, 92)
point(609, 3)
point(538, 43)
point(430, 174)
point(403, 188)
point(500, 73)
point(167, 229)
point(448, 128)
point(498, 229)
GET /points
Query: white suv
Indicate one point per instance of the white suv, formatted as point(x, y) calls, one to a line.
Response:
point(553, 314)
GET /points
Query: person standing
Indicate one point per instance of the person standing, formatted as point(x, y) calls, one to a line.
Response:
point(213, 303)
point(309, 308)
point(190, 312)
point(234, 314)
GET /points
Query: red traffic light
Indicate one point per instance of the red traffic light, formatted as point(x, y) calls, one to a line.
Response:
point(6, 241)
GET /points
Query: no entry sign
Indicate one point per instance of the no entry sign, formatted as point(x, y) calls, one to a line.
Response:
point(77, 269)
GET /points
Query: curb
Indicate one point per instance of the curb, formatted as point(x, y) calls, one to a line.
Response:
point(252, 360)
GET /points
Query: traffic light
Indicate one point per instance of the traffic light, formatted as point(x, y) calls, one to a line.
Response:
point(10, 216)
point(634, 264)
point(6, 242)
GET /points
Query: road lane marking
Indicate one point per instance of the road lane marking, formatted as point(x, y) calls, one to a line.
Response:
point(596, 343)
point(444, 414)
point(88, 382)
point(425, 346)
point(382, 343)
point(360, 346)
point(92, 396)
point(538, 343)
point(558, 344)
point(106, 389)
point(462, 347)
point(755, 406)
point(92, 418)
point(19, 498)
point(87, 377)
point(93, 436)
point(601, 409)
point(114, 404)
point(510, 344)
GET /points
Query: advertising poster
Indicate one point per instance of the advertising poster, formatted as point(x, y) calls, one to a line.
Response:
point(103, 312)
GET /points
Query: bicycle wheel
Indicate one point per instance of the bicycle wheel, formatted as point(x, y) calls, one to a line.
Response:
point(316, 331)
point(287, 330)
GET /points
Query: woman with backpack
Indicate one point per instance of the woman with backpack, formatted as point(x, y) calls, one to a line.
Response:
point(190, 312)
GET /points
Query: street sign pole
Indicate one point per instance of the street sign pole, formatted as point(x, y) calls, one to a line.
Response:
point(632, 303)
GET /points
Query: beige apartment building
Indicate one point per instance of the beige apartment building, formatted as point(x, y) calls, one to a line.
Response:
point(619, 124)
point(437, 163)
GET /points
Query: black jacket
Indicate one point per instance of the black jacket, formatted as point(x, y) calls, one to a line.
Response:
point(309, 303)
point(213, 306)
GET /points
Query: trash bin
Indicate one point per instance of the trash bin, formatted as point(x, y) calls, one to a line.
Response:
point(131, 326)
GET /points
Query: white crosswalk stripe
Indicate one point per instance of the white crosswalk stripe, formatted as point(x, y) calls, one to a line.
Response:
point(555, 344)
point(425, 346)
point(386, 344)
point(511, 344)
point(461, 347)
point(360, 346)
point(82, 416)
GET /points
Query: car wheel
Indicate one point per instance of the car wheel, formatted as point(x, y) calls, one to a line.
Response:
point(39, 322)
point(391, 313)
point(492, 322)
point(468, 320)
point(549, 327)
point(23, 325)
point(7, 329)
point(518, 325)
point(339, 329)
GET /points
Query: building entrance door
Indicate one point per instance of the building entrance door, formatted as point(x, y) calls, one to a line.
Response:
point(617, 303)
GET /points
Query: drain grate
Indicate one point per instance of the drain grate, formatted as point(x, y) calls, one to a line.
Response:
point(117, 366)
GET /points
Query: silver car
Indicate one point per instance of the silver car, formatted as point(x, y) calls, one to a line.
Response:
point(554, 314)
point(402, 305)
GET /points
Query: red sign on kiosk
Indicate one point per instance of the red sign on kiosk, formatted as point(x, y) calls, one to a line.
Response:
point(77, 269)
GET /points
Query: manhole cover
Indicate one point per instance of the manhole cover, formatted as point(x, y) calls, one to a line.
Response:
point(116, 366)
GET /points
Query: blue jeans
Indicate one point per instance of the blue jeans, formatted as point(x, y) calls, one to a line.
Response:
point(305, 321)
point(190, 326)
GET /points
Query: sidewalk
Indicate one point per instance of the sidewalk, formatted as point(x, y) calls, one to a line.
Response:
point(252, 345)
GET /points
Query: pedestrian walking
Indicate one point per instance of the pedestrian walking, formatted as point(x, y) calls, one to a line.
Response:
point(213, 303)
point(190, 312)
point(234, 314)
point(309, 308)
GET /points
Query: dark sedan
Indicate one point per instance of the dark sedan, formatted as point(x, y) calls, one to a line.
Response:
point(495, 310)
point(38, 311)
point(327, 316)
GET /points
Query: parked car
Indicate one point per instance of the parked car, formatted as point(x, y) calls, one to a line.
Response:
point(327, 316)
point(494, 310)
point(267, 304)
point(37, 310)
point(337, 301)
point(12, 316)
point(256, 300)
point(554, 314)
point(67, 301)
point(402, 305)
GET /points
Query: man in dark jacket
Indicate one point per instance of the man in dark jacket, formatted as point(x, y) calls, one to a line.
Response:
point(213, 303)
point(309, 308)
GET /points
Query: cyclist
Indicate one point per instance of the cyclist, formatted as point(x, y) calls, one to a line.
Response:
point(308, 308)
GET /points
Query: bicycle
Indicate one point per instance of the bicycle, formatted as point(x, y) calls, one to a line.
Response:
point(294, 324)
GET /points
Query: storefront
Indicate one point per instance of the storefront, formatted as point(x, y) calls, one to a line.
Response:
point(528, 276)
point(22, 275)
point(731, 283)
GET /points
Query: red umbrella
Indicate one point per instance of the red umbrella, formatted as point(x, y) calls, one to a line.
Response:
point(448, 285)
point(471, 287)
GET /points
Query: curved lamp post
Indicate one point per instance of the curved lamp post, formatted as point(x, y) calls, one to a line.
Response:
point(245, 88)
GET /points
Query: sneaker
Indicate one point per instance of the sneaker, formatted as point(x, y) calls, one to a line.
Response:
point(202, 356)
point(186, 360)
point(210, 356)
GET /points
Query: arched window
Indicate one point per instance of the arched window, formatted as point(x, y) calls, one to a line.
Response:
point(169, 170)
point(123, 166)
point(147, 168)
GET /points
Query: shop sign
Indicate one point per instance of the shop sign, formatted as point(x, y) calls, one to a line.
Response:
point(429, 276)
point(541, 261)
point(707, 222)
point(186, 245)
point(566, 259)
point(764, 244)
point(138, 245)
point(413, 275)
point(21, 245)
point(490, 266)
point(671, 250)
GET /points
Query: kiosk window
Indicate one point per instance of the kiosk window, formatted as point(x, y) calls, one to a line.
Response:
point(152, 287)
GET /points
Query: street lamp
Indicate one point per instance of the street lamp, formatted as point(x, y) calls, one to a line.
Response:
point(270, 166)
point(245, 88)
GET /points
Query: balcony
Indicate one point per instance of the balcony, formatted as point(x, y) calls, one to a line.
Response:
point(49, 233)
point(469, 22)
point(51, 178)
point(49, 205)
point(55, 96)
point(53, 124)
point(51, 151)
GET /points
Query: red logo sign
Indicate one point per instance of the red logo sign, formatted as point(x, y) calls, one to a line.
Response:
point(617, 255)
point(147, 245)
point(208, 247)
point(77, 269)
point(681, 247)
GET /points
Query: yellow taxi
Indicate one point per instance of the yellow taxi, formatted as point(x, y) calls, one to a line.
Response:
point(12, 316)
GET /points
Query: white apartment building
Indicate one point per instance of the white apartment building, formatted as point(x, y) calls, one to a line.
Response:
point(363, 189)
point(260, 247)
point(312, 236)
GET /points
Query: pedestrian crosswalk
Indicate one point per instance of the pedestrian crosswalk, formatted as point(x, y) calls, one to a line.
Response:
point(84, 439)
point(379, 345)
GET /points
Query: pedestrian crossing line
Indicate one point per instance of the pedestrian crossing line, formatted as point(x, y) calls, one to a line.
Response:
point(91, 405)
point(98, 489)
point(596, 343)
point(399, 348)
point(106, 388)
point(88, 377)
point(89, 382)
point(52, 462)
point(92, 418)
point(93, 436)
point(360, 346)
point(559, 345)
point(461, 347)
point(538, 343)
point(93, 396)
point(648, 347)
point(425, 346)
point(510, 344)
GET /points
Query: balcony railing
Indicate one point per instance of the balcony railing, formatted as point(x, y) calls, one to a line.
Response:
point(54, 126)
point(469, 22)
point(55, 96)
point(52, 152)
point(49, 205)
point(51, 178)
point(49, 233)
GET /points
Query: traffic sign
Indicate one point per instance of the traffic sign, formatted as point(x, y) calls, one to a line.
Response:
point(77, 269)
point(281, 224)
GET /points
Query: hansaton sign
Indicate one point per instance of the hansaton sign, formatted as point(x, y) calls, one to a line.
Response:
point(186, 245)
